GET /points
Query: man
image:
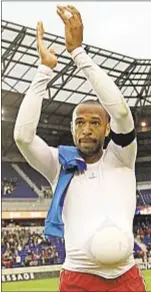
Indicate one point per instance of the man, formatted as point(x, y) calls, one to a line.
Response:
point(99, 203)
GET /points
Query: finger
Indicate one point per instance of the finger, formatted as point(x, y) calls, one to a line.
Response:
point(66, 13)
point(74, 11)
point(75, 17)
point(40, 33)
point(52, 51)
point(40, 30)
point(61, 7)
point(73, 8)
point(61, 13)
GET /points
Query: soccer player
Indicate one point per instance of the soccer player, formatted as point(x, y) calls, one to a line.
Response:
point(99, 203)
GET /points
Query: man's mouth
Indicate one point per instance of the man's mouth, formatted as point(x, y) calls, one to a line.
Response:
point(87, 140)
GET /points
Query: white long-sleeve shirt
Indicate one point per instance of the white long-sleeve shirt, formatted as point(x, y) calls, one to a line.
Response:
point(98, 197)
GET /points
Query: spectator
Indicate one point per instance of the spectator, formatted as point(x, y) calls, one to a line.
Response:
point(17, 258)
point(43, 257)
point(28, 259)
point(8, 185)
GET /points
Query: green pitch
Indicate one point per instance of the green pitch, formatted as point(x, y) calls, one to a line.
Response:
point(33, 285)
point(51, 284)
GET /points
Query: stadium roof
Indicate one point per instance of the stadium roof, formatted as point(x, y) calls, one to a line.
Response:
point(68, 87)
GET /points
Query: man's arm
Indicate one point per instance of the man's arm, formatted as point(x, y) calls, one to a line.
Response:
point(123, 142)
point(42, 157)
point(111, 98)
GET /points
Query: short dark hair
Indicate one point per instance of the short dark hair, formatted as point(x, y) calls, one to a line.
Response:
point(97, 102)
point(91, 101)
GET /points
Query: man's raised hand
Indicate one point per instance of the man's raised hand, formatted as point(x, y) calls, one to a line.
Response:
point(73, 26)
point(47, 56)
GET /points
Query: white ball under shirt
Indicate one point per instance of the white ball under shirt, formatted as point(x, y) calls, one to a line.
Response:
point(98, 215)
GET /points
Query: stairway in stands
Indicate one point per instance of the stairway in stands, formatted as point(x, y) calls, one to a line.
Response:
point(27, 179)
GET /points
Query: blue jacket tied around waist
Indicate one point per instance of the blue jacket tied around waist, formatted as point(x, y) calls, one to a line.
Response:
point(70, 160)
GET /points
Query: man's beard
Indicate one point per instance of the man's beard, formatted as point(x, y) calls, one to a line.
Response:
point(91, 149)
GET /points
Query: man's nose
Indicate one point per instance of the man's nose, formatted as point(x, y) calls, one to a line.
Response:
point(87, 129)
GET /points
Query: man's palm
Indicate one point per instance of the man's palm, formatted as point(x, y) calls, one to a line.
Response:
point(73, 26)
point(47, 56)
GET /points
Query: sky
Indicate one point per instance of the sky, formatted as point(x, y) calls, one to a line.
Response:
point(122, 27)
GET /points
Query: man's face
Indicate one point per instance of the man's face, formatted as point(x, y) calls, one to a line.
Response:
point(89, 128)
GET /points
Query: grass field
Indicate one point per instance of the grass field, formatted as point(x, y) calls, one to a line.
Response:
point(51, 284)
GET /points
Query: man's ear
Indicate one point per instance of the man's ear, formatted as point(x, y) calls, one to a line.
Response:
point(107, 130)
point(71, 128)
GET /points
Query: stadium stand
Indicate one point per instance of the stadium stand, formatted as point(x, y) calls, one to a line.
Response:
point(14, 186)
point(138, 253)
point(21, 190)
point(36, 177)
point(23, 246)
point(144, 197)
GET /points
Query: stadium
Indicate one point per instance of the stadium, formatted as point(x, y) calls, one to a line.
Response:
point(31, 262)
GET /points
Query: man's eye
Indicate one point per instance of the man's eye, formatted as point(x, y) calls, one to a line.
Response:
point(79, 123)
point(95, 123)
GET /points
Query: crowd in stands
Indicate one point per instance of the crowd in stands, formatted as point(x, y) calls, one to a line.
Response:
point(23, 247)
point(8, 185)
point(142, 232)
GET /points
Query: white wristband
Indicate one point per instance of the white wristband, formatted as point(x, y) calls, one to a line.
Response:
point(45, 69)
point(77, 52)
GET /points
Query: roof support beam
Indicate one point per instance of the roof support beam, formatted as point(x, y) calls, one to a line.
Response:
point(12, 49)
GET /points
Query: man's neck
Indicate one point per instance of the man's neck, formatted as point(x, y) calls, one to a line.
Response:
point(93, 158)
